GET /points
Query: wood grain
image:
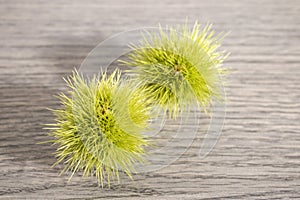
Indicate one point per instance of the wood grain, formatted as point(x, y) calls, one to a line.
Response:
point(258, 154)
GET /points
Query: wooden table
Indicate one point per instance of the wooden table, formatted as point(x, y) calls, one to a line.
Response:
point(258, 154)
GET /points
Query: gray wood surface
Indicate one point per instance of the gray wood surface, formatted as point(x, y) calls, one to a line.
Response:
point(258, 154)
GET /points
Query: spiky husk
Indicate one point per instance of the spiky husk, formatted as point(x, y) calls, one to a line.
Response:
point(179, 67)
point(99, 128)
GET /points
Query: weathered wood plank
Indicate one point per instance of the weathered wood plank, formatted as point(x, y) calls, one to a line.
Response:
point(258, 154)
